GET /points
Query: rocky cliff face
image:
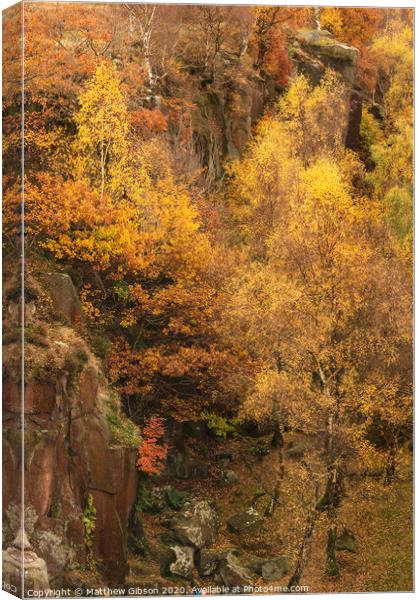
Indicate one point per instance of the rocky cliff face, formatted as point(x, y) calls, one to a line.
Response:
point(227, 110)
point(314, 52)
point(73, 450)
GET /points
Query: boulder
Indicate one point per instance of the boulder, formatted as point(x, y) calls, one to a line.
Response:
point(346, 541)
point(233, 573)
point(230, 477)
point(253, 563)
point(244, 521)
point(168, 538)
point(208, 563)
point(197, 526)
point(183, 562)
point(20, 555)
point(275, 568)
point(64, 296)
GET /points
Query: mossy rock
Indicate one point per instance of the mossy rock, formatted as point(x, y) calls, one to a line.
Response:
point(253, 563)
point(275, 568)
point(125, 433)
point(246, 521)
point(346, 541)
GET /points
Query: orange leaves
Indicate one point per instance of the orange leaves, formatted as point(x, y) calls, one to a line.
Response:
point(153, 234)
point(74, 222)
point(147, 121)
point(269, 39)
point(152, 452)
point(277, 61)
point(356, 27)
point(62, 46)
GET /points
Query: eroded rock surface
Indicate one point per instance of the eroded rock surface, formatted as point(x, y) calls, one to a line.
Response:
point(183, 563)
point(70, 452)
point(197, 526)
point(244, 521)
point(233, 573)
point(316, 51)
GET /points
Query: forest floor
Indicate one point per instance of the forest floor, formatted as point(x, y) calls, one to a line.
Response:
point(381, 517)
point(383, 562)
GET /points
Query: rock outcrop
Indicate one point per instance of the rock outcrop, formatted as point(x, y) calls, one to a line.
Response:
point(23, 571)
point(197, 526)
point(246, 521)
point(316, 51)
point(233, 574)
point(181, 561)
point(71, 448)
point(228, 109)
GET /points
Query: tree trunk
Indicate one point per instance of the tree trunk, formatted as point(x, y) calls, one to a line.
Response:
point(317, 11)
point(278, 440)
point(391, 461)
point(102, 170)
point(304, 548)
point(329, 501)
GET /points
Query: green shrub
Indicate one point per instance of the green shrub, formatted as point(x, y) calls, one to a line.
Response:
point(175, 498)
point(218, 425)
point(89, 525)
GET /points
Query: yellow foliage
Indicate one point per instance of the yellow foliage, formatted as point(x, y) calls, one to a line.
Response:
point(102, 128)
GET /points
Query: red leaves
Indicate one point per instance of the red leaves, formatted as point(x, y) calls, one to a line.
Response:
point(152, 453)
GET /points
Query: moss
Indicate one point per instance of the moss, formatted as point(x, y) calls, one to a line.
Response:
point(332, 566)
point(124, 432)
point(53, 512)
point(100, 344)
point(36, 336)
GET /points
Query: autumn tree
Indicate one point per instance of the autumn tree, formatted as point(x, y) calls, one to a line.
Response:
point(62, 48)
point(269, 38)
point(356, 27)
point(309, 121)
point(102, 128)
point(152, 451)
point(133, 235)
point(392, 147)
point(284, 297)
point(316, 303)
